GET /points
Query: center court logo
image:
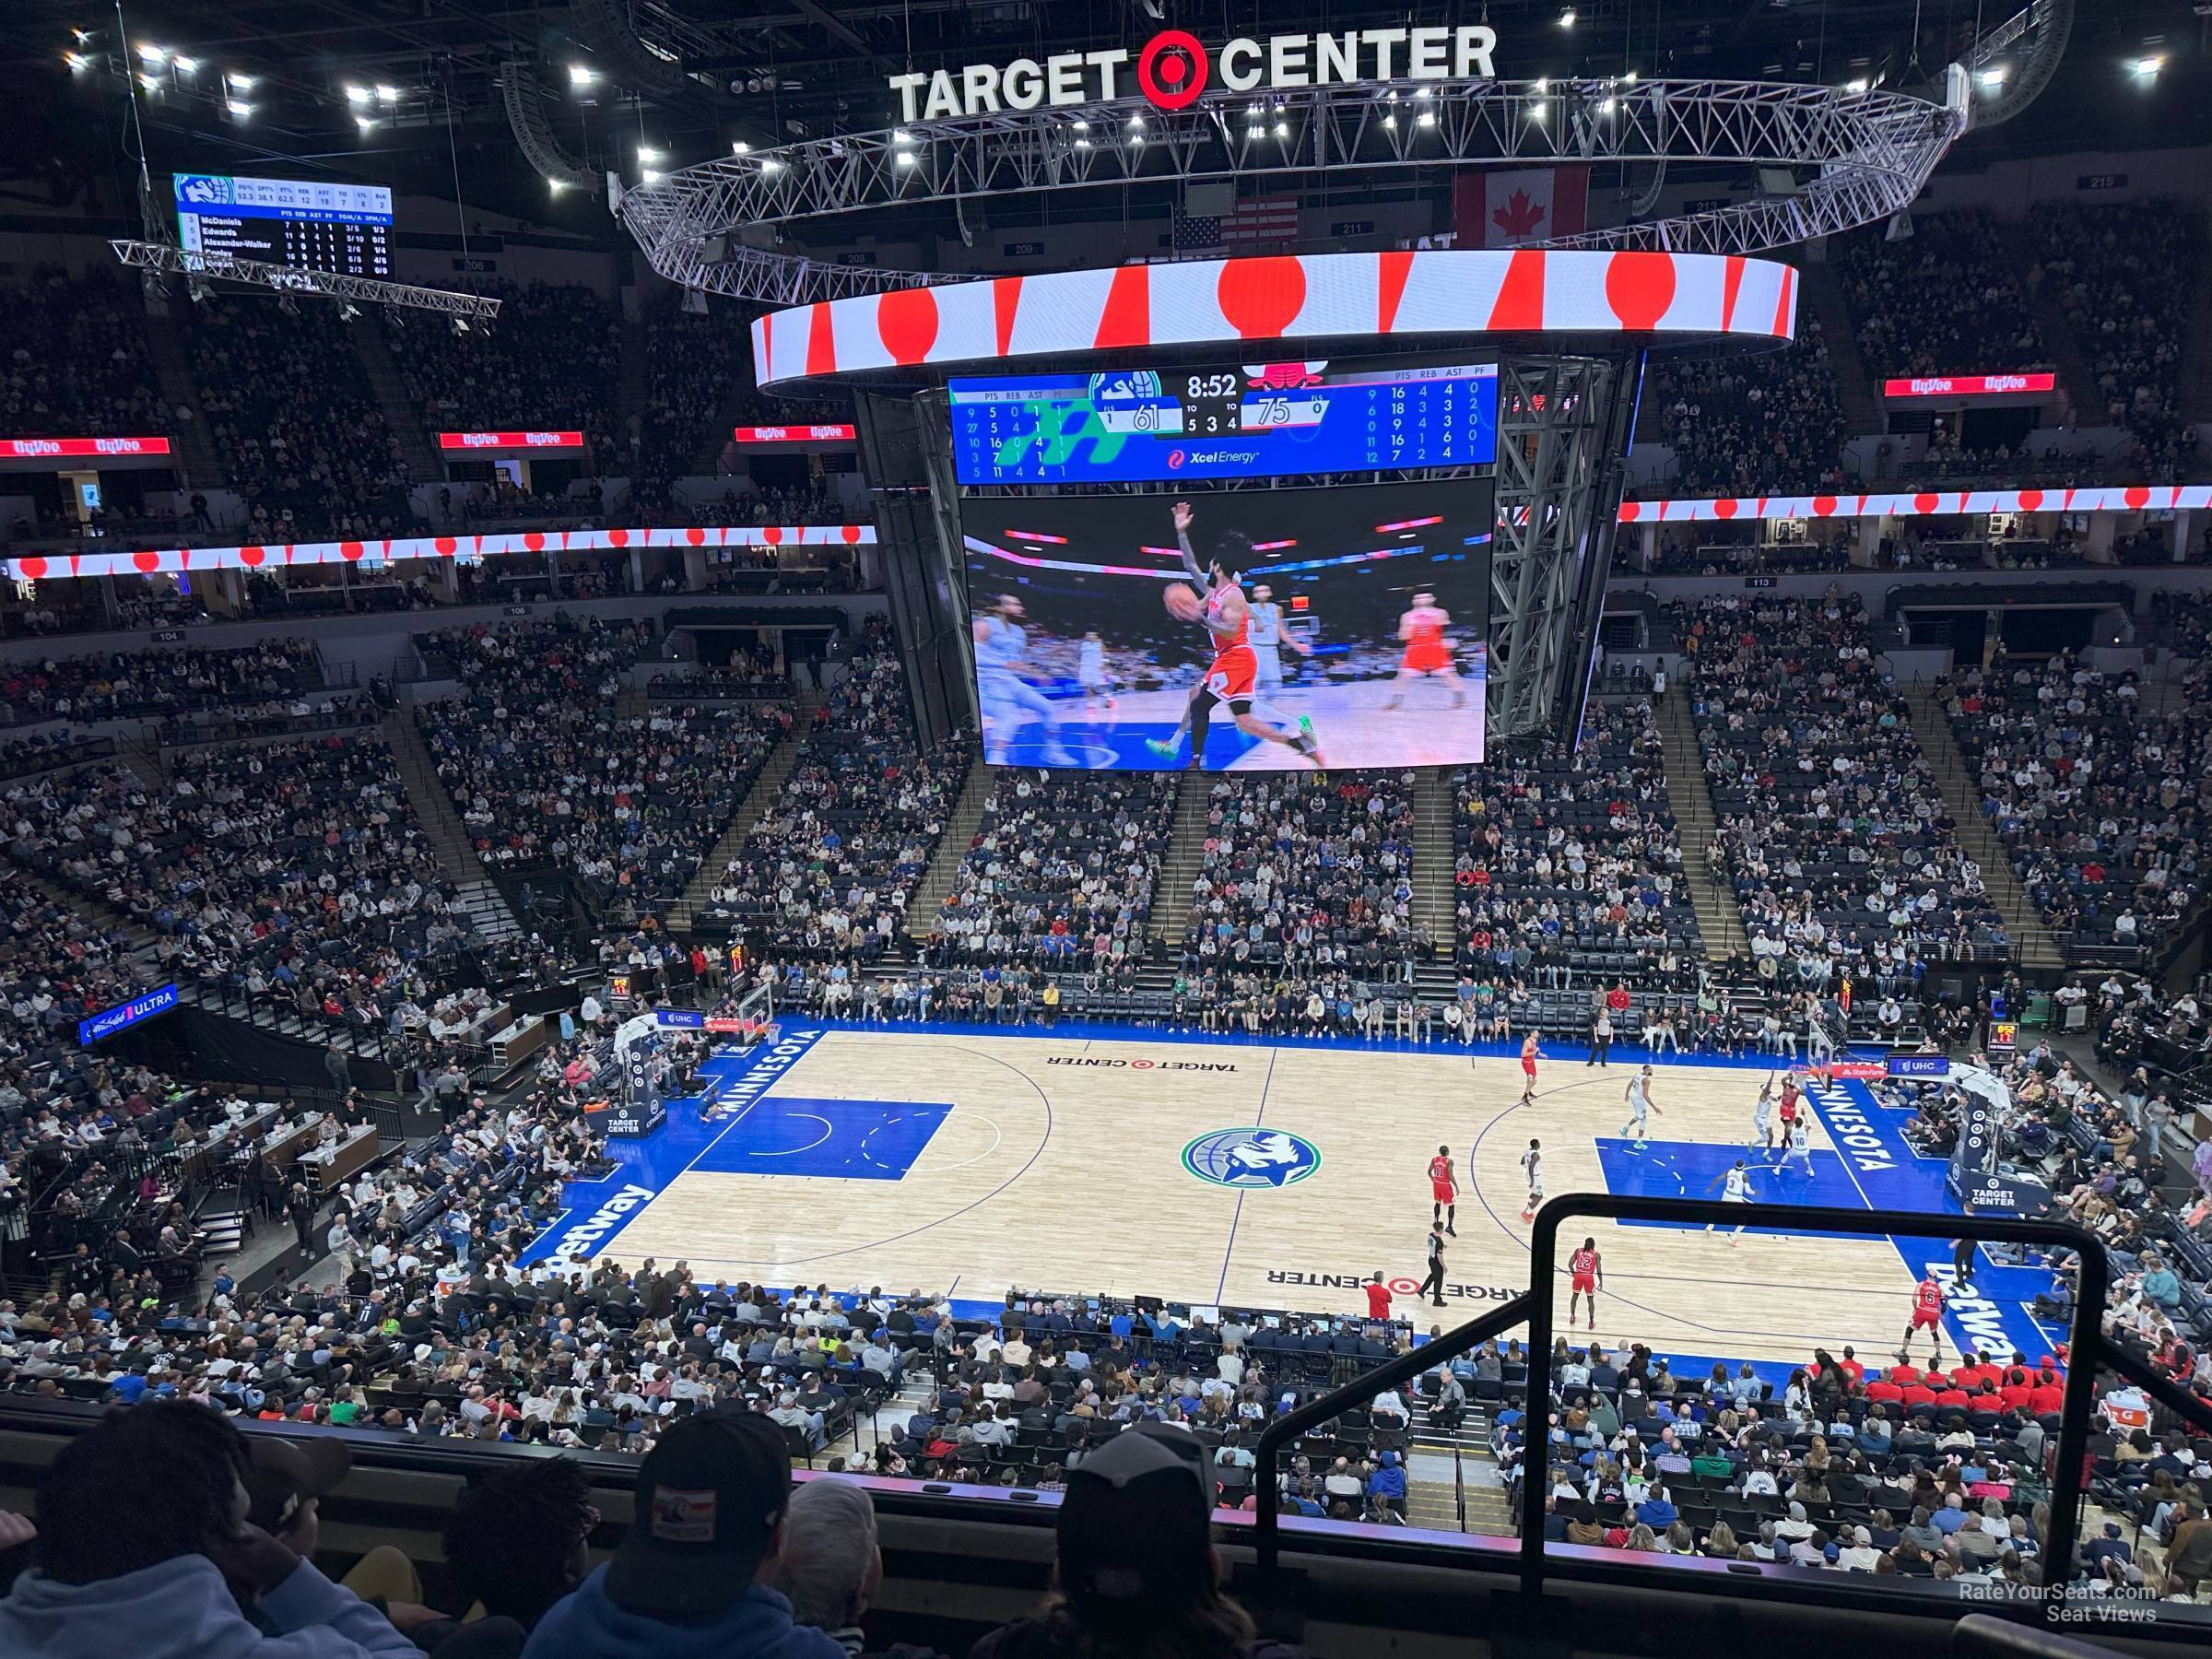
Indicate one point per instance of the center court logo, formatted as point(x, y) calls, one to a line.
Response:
point(1251, 1157)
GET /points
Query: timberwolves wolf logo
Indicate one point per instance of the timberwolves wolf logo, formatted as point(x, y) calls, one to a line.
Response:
point(1251, 1157)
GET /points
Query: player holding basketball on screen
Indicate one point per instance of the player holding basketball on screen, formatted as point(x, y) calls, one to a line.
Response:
point(1229, 678)
point(1927, 1315)
point(1443, 1191)
point(1587, 1269)
point(1421, 631)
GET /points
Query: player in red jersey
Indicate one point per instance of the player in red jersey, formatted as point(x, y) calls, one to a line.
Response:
point(1587, 1277)
point(1443, 1191)
point(1927, 1315)
point(1229, 678)
point(1788, 1106)
point(1421, 631)
point(1530, 1054)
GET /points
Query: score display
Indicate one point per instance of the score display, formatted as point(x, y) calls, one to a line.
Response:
point(1253, 421)
point(324, 227)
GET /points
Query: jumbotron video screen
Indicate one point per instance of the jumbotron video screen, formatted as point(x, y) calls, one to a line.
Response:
point(1235, 629)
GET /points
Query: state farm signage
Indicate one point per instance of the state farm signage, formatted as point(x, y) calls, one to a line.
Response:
point(793, 434)
point(510, 441)
point(64, 448)
point(1968, 385)
point(1174, 67)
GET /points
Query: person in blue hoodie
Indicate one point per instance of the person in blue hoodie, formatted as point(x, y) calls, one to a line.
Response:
point(686, 1582)
point(144, 1549)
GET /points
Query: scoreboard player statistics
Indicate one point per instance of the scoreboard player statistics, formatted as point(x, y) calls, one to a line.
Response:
point(323, 226)
point(1249, 421)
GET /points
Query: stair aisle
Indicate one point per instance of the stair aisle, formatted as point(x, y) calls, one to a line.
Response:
point(1186, 853)
point(1823, 291)
point(449, 838)
point(2061, 347)
point(1710, 895)
point(1961, 794)
point(952, 847)
point(198, 467)
point(1435, 908)
point(773, 771)
point(400, 411)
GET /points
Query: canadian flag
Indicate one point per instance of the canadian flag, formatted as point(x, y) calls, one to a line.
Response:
point(1528, 204)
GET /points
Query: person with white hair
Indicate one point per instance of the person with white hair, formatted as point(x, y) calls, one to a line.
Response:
point(831, 1566)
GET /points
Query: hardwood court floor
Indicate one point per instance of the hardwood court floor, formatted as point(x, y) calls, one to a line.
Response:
point(962, 1160)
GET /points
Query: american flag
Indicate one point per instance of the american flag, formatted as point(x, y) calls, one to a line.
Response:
point(1256, 223)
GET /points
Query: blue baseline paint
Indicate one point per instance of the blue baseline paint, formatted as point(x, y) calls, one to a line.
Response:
point(594, 1212)
point(852, 1140)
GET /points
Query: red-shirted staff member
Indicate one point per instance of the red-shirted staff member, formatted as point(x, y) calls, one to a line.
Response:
point(1443, 1191)
point(1927, 1315)
point(1586, 1271)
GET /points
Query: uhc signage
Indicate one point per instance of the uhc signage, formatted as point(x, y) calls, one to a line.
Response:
point(793, 434)
point(1174, 67)
point(69, 449)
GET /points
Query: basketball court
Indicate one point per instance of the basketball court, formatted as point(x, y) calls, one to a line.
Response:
point(1115, 1162)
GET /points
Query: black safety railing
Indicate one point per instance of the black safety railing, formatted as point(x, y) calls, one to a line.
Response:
point(2088, 1352)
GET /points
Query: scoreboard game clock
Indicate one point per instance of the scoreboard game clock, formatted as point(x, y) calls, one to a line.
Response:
point(1253, 420)
point(345, 229)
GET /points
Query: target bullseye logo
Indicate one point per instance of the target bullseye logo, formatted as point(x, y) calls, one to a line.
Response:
point(1170, 70)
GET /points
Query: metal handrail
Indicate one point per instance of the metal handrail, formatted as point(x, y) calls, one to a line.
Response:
point(1266, 1534)
point(2085, 1353)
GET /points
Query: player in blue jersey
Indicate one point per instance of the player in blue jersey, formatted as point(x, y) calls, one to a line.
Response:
point(1010, 702)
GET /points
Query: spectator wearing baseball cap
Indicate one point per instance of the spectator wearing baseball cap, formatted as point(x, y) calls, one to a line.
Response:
point(710, 1501)
point(145, 1549)
point(285, 1481)
point(1136, 1569)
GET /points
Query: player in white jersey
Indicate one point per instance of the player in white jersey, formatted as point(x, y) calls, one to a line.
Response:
point(1735, 1188)
point(1532, 1161)
point(1640, 1109)
point(1267, 638)
point(1009, 702)
point(1800, 1150)
point(1763, 1118)
point(1091, 673)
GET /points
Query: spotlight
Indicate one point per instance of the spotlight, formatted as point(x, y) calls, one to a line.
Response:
point(900, 136)
point(1428, 118)
point(186, 65)
point(1856, 86)
point(150, 82)
point(1990, 79)
point(1282, 129)
point(647, 154)
point(1082, 126)
point(348, 310)
point(152, 54)
point(1567, 18)
point(364, 123)
point(460, 325)
point(581, 74)
point(239, 82)
point(906, 157)
point(740, 147)
point(238, 107)
point(2147, 68)
point(385, 94)
point(358, 95)
point(769, 164)
point(76, 60)
point(555, 185)
point(649, 177)
point(1390, 122)
point(1136, 123)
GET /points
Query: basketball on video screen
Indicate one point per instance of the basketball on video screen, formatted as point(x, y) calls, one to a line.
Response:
point(1232, 630)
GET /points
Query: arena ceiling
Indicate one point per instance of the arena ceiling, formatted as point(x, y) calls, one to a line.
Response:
point(410, 92)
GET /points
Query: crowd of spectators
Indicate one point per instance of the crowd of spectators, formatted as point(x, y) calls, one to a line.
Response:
point(551, 361)
point(828, 870)
point(1305, 876)
point(1944, 301)
point(299, 430)
point(2099, 801)
point(693, 364)
point(1061, 866)
point(1751, 426)
point(74, 362)
point(1831, 827)
point(157, 684)
point(289, 873)
point(1576, 856)
point(2124, 274)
